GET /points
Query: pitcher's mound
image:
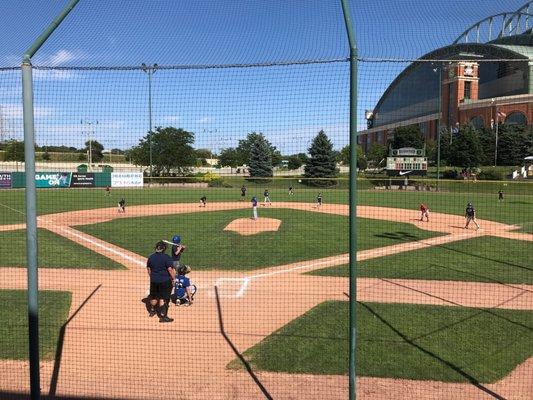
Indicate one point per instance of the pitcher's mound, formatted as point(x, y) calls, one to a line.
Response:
point(248, 226)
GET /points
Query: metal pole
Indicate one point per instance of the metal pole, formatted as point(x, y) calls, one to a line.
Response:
point(496, 140)
point(352, 199)
point(90, 146)
point(150, 116)
point(438, 127)
point(31, 230)
point(31, 201)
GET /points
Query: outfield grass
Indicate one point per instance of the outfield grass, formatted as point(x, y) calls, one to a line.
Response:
point(516, 209)
point(483, 259)
point(53, 312)
point(302, 236)
point(450, 344)
point(54, 251)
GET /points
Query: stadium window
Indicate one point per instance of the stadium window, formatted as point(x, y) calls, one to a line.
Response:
point(477, 122)
point(468, 89)
point(516, 118)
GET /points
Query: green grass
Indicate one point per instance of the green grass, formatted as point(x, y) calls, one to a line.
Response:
point(53, 312)
point(516, 209)
point(301, 236)
point(54, 251)
point(483, 259)
point(450, 344)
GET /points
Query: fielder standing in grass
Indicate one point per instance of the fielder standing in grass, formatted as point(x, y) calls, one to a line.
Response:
point(470, 215)
point(162, 275)
point(266, 194)
point(254, 207)
point(500, 195)
point(243, 192)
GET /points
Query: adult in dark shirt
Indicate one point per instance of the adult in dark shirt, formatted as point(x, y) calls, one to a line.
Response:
point(470, 215)
point(162, 275)
point(243, 192)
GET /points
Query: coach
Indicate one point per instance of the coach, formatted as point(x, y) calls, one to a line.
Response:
point(162, 275)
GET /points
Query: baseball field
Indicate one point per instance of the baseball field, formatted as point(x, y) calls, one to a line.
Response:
point(440, 309)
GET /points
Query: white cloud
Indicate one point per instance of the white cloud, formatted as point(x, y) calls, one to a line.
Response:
point(205, 120)
point(14, 111)
point(61, 57)
point(53, 74)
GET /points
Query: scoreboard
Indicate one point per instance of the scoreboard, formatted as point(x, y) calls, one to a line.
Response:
point(407, 161)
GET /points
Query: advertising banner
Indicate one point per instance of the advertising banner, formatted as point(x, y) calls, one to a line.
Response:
point(5, 180)
point(127, 179)
point(52, 179)
point(82, 179)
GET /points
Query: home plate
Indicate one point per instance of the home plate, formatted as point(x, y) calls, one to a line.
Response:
point(249, 226)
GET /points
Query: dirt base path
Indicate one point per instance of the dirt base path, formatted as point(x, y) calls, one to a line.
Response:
point(110, 345)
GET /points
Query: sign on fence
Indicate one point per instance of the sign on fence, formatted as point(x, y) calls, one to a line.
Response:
point(127, 179)
point(5, 180)
point(52, 179)
point(82, 179)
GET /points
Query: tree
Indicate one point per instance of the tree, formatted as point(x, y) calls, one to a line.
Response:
point(171, 150)
point(465, 150)
point(229, 158)
point(245, 146)
point(204, 153)
point(322, 161)
point(14, 151)
point(294, 162)
point(260, 163)
point(407, 136)
point(97, 148)
point(46, 156)
point(376, 154)
point(514, 143)
point(361, 157)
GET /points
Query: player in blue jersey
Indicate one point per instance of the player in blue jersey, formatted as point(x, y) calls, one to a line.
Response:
point(470, 215)
point(183, 289)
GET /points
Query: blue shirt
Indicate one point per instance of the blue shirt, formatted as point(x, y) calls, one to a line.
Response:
point(470, 211)
point(254, 202)
point(182, 282)
point(159, 264)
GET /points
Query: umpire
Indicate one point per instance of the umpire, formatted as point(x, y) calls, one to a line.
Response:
point(162, 275)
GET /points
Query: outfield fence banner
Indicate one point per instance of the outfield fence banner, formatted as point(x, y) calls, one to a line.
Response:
point(82, 179)
point(127, 179)
point(5, 180)
point(228, 152)
point(53, 179)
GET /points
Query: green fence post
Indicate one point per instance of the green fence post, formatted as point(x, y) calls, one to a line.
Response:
point(31, 201)
point(352, 197)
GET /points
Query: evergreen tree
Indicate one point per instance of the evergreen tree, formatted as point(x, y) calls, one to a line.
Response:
point(407, 136)
point(260, 162)
point(466, 149)
point(322, 161)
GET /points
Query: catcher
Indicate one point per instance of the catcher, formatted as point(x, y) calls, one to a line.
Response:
point(183, 289)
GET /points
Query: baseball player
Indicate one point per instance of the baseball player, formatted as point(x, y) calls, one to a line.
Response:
point(183, 289)
point(319, 201)
point(121, 205)
point(266, 194)
point(470, 215)
point(176, 251)
point(203, 201)
point(424, 212)
point(254, 207)
point(500, 195)
point(162, 276)
point(291, 191)
point(107, 191)
point(243, 192)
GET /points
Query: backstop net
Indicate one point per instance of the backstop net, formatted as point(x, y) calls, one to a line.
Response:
point(192, 173)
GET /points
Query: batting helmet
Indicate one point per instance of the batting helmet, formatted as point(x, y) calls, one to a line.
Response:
point(161, 246)
point(184, 269)
point(176, 239)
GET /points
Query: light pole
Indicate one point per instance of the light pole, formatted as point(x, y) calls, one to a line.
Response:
point(439, 68)
point(149, 70)
point(496, 134)
point(90, 134)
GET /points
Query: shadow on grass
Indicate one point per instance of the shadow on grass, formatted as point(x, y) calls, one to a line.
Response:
point(236, 351)
point(59, 348)
point(435, 356)
point(400, 236)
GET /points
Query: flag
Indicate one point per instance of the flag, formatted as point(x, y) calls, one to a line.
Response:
point(501, 114)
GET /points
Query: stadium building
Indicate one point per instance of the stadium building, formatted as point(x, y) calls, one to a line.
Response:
point(473, 82)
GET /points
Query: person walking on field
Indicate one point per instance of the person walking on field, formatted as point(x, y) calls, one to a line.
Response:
point(162, 275)
point(254, 207)
point(266, 194)
point(500, 196)
point(470, 215)
point(243, 192)
point(121, 207)
point(424, 212)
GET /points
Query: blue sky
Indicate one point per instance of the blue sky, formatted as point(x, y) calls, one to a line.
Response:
point(289, 104)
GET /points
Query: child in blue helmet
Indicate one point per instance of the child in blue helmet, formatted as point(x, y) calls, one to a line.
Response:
point(184, 290)
point(176, 251)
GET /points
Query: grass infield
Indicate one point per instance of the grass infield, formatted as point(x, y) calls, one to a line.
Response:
point(450, 344)
point(54, 251)
point(301, 236)
point(482, 259)
point(53, 312)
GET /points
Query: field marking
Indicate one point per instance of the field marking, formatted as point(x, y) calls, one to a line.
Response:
point(12, 209)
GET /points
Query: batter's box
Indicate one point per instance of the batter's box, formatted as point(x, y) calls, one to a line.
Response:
point(230, 288)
